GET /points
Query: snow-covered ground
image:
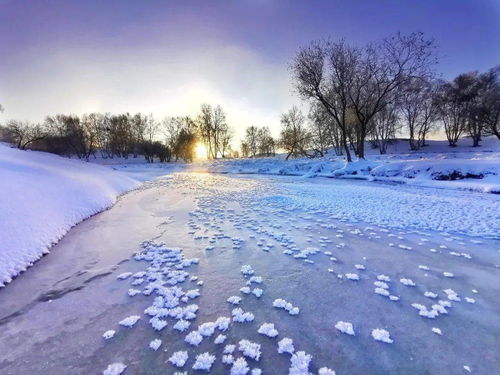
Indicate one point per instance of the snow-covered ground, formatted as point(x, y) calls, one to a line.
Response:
point(437, 165)
point(236, 274)
point(42, 196)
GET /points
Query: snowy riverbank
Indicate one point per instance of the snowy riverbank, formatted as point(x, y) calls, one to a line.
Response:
point(437, 165)
point(42, 197)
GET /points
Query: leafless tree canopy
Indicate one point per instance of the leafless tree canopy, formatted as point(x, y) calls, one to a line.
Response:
point(214, 130)
point(360, 81)
point(295, 139)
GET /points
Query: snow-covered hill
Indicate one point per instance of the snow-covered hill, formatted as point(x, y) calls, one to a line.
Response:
point(42, 196)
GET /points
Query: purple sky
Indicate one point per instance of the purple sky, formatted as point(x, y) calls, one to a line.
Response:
point(168, 57)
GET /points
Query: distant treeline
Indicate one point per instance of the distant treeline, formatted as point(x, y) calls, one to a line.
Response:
point(355, 94)
point(124, 135)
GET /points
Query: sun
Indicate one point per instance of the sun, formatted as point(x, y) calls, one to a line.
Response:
point(200, 151)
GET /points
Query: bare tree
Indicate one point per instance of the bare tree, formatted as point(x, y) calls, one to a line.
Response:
point(252, 140)
point(91, 125)
point(323, 72)
point(385, 68)
point(266, 145)
point(212, 127)
point(23, 133)
point(225, 141)
point(348, 79)
point(385, 126)
point(418, 110)
point(151, 128)
point(455, 101)
point(492, 102)
point(180, 133)
point(322, 129)
point(295, 138)
point(245, 149)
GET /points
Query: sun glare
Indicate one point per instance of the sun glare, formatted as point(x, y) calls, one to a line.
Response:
point(200, 151)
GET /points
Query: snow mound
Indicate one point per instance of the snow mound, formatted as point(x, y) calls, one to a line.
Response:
point(43, 196)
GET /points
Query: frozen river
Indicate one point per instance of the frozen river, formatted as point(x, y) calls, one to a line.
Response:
point(423, 265)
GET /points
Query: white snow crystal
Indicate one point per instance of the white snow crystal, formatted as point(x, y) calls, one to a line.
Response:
point(240, 316)
point(179, 358)
point(207, 329)
point(380, 334)
point(279, 303)
point(193, 338)
point(452, 295)
point(245, 290)
point(247, 270)
point(108, 334)
point(235, 300)
point(255, 279)
point(220, 339)
point(227, 359)
point(124, 275)
point(407, 282)
point(430, 295)
point(155, 344)
point(382, 292)
point(448, 274)
point(381, 284)
point(352, 276)
point(294, 311)
point(257, 292)
point(437, 331)
point(360, 267)
point(325, 371)
point(300, 363)
point(129, 321)
point(157, 324)
point(286, 346)
point(268, 330)
point(193, 293)
point(222, 323)
point(114, 369)
point(204, 361)
point(249, 349)
point(345, 327)
point(228, 349)
point(240, 367)
point(384, 278)
point(182, 325)
point(470, 300)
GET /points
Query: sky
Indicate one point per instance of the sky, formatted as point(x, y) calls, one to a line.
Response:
point(168, 57)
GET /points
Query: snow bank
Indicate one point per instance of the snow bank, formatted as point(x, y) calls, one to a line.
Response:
point(42, 197)
point(437, 165)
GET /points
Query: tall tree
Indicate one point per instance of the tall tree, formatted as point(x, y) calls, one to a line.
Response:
point(347, 79)
point(492, 101)
point(295, 138)
point(418, 110)
point(252, 140)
